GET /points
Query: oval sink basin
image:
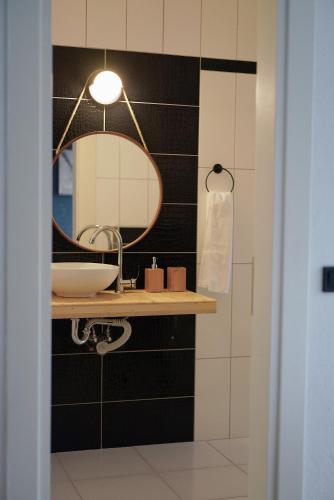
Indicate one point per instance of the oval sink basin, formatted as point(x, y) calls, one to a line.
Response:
point(81, 279)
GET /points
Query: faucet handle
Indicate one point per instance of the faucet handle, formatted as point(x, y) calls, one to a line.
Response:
point(131, 283)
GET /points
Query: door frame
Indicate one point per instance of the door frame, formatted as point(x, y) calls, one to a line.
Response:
point(282, 250)
point(26, 101)
point(284, 121)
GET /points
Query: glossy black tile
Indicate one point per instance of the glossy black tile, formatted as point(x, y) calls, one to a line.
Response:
point(77, 257)
point(61, 244)
point(147, 422)
point(139, 261)
point(161, 332)
point(76, 427)
point(88, 118)
point(166, 129)
point(76, 378)
point(62, 342)
point(162, 374)
point(174, 231)
point(229, 66)
point(179, 177)
point(71, 68)
point(157, 77)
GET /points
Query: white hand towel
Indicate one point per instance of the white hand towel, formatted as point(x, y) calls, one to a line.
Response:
point(216, 260)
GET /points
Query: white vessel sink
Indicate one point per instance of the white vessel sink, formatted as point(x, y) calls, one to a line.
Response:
point(81, 279)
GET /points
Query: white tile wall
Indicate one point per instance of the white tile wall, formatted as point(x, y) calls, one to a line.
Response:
point(182, 27)
point(130, 215)
point(227, 136)
point(212, 398)
point(213, 338)
point(243, 216)
point(69, 23)
point(219, 29)
point(239, 397)
point(145, 25)
point(217, 119)
point(242, 309)
point(245, 122)
point(246, 49)
point(106, 24)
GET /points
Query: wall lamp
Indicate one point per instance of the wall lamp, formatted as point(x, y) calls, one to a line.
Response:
point(105, 87)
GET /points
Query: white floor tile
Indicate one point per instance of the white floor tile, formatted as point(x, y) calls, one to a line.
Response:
point(168, 457)
point(126, 488)
point(235, 450)
point(205, 484)
point(64, 491)
point(57, 472)
point(91, 464)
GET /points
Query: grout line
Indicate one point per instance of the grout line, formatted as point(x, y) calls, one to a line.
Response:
point(157, 473)
point(148, 103)
point(126, 24)
point(191, 204)
point(163, 104)
point(129, 352)
point(101, 406)
point(124, 401)
point(163, 27)
point(227, 458)
point(86, 24)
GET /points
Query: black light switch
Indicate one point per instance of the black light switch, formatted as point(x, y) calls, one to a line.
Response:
point(328, 279)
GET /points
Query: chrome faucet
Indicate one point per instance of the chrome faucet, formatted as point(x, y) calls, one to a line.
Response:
point(94, 226)
point(115, 231)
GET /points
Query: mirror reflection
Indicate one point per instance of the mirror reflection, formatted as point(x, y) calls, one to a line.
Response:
point(105, 179)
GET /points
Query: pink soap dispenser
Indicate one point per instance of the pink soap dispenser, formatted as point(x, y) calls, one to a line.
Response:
point(154, 278)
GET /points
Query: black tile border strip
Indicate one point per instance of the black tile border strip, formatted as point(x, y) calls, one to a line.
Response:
point(229, 65)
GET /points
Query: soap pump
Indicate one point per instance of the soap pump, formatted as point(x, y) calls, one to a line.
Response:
point(154, 278)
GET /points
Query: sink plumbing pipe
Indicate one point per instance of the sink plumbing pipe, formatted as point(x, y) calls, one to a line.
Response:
point(104, 346)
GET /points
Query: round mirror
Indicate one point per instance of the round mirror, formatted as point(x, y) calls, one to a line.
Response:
point(105, 179)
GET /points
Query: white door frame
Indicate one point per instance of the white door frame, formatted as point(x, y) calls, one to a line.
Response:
point(27, 105)
point(283, 194)
point(283, 197)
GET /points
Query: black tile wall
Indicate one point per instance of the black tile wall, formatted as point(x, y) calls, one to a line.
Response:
point(135, 261)
point(71, 68)
point(88, 118)
point(148, 333)
point(157, 363)
point(173, 375)
point(179, 177)
point(76, 379)
point(152, 78)
point(166, 129)
point(174, 231)
point(147, 422)
point(75, 427)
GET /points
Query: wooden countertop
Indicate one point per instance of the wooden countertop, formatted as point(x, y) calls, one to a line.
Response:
point(132, 303)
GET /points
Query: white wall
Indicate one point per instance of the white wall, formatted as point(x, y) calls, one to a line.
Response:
point(227, 136)
point(2, 252)
point(319, 433)
point(223, 29)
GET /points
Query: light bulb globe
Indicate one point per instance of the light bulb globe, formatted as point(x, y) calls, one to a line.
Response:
point(106, 87)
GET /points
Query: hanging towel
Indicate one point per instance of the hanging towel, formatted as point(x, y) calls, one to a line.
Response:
point(216, 261)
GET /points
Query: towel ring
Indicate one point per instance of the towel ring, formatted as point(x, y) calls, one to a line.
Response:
point(217, 169)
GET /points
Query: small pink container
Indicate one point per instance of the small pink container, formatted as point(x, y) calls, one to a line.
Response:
point(176, 279)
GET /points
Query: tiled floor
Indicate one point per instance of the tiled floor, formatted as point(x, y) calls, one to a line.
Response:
point(181, 471)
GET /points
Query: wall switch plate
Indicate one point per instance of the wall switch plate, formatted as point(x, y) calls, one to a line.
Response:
point(328, 279)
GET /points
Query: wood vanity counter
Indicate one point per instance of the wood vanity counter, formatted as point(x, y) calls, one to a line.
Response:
point(132, 303)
